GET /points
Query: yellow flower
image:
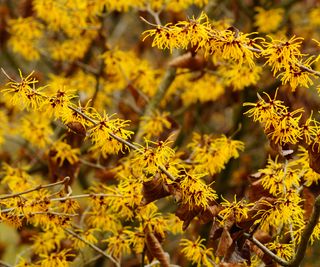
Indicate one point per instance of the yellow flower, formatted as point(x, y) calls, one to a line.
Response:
point(197, 252)
point(36, 129)
point(155, 124)
point(268, 20)
point(118, 244)
point(278, 178)
point(23, 93)
point(208, 88)
point(285, 251)
point(45, 242)
point(237, 210)
point(153, 157)
point(152, 221)
point(239, 77)
point(63, 151)
point(194, 192)
point(58, 103)
point(25, 36)
point(101, 138)
point(314, 16)
point(55, 259)
point(4, 122)
point(210, 154)
point(87, 235)
point(282, 54)
point(296, 76)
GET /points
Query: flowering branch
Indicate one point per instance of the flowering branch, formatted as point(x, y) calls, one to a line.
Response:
point(266, 250)
point(302, 247)
point(307, 232)
point(100, 251)
point(65, 180)
point(301, 66)
point(163, 87)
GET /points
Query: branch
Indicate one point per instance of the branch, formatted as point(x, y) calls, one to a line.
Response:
point(301, 66)
point(97, 249)
point(307, 232)
point(84, 196)
point(163, 87)
point(97, 87)
point(65, 180)
point(266, 250)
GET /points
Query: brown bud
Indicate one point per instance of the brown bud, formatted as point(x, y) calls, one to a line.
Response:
point(77, 128)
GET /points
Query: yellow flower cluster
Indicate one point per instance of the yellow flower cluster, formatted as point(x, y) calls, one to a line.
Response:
point(25, 36)
point(197, 252)
point(268, 20)
point(210, 154)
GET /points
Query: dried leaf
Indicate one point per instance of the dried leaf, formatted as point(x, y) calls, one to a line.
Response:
point(155, 249)
point(224, 243)
point(209, 214)
point(314, 157)
point(185, 214)
point(308, 198)
point(153, 190)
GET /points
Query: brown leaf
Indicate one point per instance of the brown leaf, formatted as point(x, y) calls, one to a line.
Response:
point(314, 157)
point(262, 236)
point(185, 214)
point(256, 191)
point(308, 198)
point(59, 171)
point(153, 190)
point(224, 243)
point(155, 249)
point(216, 230)
point(209, 214)
point(105, 175)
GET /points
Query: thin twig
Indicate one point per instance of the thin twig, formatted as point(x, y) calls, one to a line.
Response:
point(65, 180)
point(84, 196)
point(98, 84)
point(93, 247)
point(266, 250)
point(94, 165)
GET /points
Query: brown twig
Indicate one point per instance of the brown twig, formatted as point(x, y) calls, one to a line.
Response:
point(65, 180)
point(305, 237)
point(266, 250)
point(97, 249)
point(84, 196)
